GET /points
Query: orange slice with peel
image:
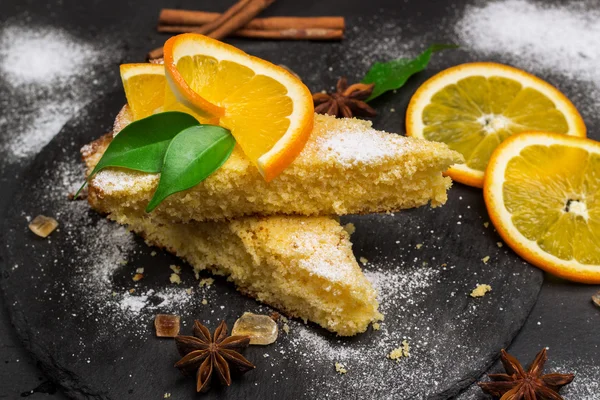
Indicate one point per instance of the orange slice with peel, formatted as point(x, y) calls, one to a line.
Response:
point(144, 86)
point(267, 109)
point(474, 107)
point(542, 192)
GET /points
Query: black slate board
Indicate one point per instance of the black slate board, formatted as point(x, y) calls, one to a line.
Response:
point(73, 323)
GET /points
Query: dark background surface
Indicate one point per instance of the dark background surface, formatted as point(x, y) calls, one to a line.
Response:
point(564, 318)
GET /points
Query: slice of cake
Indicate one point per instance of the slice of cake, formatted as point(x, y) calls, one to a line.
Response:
point(301, 265)
point(347, 167)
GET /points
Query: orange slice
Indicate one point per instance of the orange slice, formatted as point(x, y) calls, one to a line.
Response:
point(267, 109)
point(542, 192)
point(474, 107)
point(144, 86)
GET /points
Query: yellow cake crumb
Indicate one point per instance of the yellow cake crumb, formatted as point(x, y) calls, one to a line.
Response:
point(206, 282)
point(350, 228)
point(400, 352)
point(174, 278)
point(153, 253)
point(340, 368)
point(418, 246)
point(363, 261)
point(204, 301)
point(139, 271)
point(137, 277)
point(167, 396)
point(286, 328)
point(188, 291)
point(481, 290)
point(486, 224)
point(485, 259)
point(131, 291)
point(176, 269)
point(376, 326)
point(499, 244)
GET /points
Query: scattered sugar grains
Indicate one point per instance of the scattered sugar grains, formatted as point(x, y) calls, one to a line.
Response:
point(49, 74)
point(101, 250)
point(538, 37)
point(481, 290)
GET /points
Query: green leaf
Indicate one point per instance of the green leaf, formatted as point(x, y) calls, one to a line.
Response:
point(192, 156)
point(141, 145)
point(394, 74)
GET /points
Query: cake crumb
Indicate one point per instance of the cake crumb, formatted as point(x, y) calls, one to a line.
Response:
point(174, 278)
point(376, 326)
point(499, 244)
point(363, 260)
point(137, 277)
point(350, 228)
point(206, 282)
point(400, 352)
point(167, 396)
point(176, 269)
point(486, 224)
point(153, 253)
point(188, 291)
point(139, 271)
point(419, 245)
point(284, 319)
point(481, 290)
point(204, 302)
point(340, 368)
point(131, 291)
point(286, 328)
point(485, 259)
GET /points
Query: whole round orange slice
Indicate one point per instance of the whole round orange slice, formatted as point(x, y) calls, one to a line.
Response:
point(542, 192)
point(268, 110)
point(474, 107)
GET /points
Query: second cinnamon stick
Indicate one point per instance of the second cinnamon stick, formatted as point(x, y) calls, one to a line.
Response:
point(198, 18)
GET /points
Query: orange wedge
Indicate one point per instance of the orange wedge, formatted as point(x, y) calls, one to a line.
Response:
point(474, 107)
point(267, 109)
point(144, 86)
point(542, 192)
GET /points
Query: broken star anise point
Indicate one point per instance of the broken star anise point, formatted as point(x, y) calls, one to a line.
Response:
point(520, 384)
point(206, 355)
point(346, 101)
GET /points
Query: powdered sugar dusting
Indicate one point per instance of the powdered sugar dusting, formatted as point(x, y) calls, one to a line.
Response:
point(49, 74)
point(539, 37)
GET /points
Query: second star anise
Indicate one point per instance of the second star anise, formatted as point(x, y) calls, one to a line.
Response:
point(518, 384)
point(205, 355)
point(346, 101)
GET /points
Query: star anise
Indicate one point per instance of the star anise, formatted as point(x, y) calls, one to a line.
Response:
point(205, 355)
point(519, 384)
point(346, 101)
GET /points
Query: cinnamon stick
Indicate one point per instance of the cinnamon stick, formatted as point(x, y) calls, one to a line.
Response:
point(188, 18)
point(238, 20)
point(221, 19)
point(292, 34)
point(282, 34)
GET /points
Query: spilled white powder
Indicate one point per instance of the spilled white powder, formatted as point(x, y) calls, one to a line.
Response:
point(42, 56)
point(539, 38)
point(48, 74)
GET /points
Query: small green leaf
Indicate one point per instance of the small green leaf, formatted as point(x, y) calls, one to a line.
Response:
point(141, 145)
point(192, 156)
point(394, 74)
